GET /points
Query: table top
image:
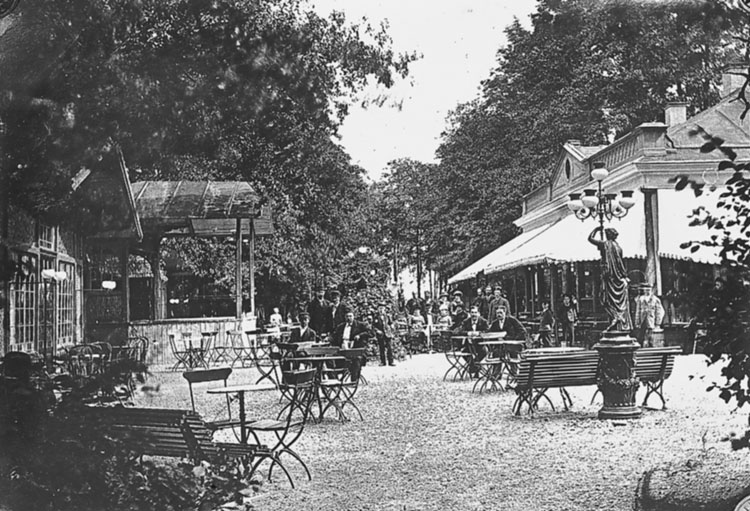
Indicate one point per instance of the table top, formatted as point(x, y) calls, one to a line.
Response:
point(502, 342)
point(554, 349)
point(326, 358)
point(247, 387)
point(493, 335)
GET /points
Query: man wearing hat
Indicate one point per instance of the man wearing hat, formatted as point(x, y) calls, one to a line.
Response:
point(304, 333)
point(497, 301)
point(317, 310)
point(384, 332)
point(458, 301)
point(649, 313)
point(336, 312)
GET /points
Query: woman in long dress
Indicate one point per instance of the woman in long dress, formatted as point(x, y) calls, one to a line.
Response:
point(614, 280)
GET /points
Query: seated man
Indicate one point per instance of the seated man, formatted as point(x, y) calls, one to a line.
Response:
point(304, 333)
point(472, 327)
point(352, 334)
point(513, 328)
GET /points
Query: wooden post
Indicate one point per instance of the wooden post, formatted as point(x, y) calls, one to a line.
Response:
point(251, 257)
point(159, 305)
point(651, 216)
point(238, 271)
point(125, 255)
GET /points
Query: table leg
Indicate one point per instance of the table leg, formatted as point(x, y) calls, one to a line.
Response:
point(243, 430)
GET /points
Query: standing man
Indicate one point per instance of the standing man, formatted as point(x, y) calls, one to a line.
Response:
point(649, 314)
point(384, 332)
point(498, 300)
point(337, 311)
point(317, 310)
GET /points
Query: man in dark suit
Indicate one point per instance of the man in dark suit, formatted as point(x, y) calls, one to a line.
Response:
point(350, 333)
point(472, 327)
point(513, 328)
point(497, 301)
point(383, 326)
point(336, 312)
point(317, 309)
point(304, 333)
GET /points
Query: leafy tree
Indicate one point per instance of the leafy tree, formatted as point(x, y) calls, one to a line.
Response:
point(586, 70)
point(724, 308)
point(198, 89)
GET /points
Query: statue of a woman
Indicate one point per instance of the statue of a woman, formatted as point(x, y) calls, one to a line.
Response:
point(614, 280)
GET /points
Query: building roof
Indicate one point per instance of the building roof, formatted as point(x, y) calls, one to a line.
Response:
point(198, 208)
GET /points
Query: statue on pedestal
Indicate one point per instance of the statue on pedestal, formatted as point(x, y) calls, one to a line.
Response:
point(614, 280)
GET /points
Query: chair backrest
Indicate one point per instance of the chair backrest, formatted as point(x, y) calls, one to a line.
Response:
point(236, 339)
point(352, 353)
point(204, 376)
point(104, 348)
point(80, 360)
point(137, 349)
point(301, 390)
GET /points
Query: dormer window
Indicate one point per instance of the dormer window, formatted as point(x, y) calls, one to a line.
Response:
point(568, 170)
point(46, 236)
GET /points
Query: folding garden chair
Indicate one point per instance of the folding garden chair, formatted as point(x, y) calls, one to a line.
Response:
point(197, 376)
point(181, 353)
point(300, 386)
point(458, 358)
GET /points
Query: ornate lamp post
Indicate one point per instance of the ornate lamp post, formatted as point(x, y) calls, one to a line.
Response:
point(617, 379)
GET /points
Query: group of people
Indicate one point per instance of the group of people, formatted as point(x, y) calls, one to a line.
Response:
point(334, 320)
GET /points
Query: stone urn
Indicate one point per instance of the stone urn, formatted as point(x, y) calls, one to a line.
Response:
point(617, 379)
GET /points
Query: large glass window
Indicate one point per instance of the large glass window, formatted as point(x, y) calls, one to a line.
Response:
point(66, 305)
point(24, 294)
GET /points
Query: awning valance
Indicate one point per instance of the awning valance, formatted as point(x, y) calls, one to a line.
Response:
point(566, 240)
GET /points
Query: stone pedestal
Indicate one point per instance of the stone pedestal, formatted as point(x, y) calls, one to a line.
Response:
point(617, 380)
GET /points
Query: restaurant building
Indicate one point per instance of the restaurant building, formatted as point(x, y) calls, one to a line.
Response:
point(551, 256)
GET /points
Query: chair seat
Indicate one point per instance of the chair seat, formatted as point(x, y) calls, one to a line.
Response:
point(490, 362)
point(223, 424)
point(271, 424)
point(458, 353)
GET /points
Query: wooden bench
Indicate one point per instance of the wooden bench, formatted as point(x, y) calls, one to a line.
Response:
point(540, 372)
point(168, 432)
point(537, 373)
point(653, 366)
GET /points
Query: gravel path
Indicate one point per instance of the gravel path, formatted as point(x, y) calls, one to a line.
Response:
point(426, 444)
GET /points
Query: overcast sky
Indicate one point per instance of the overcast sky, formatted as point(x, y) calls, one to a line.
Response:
point(458, 40)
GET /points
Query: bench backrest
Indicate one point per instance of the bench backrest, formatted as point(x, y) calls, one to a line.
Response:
point(654, 364)
point(558, 369)
point(159, 431)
